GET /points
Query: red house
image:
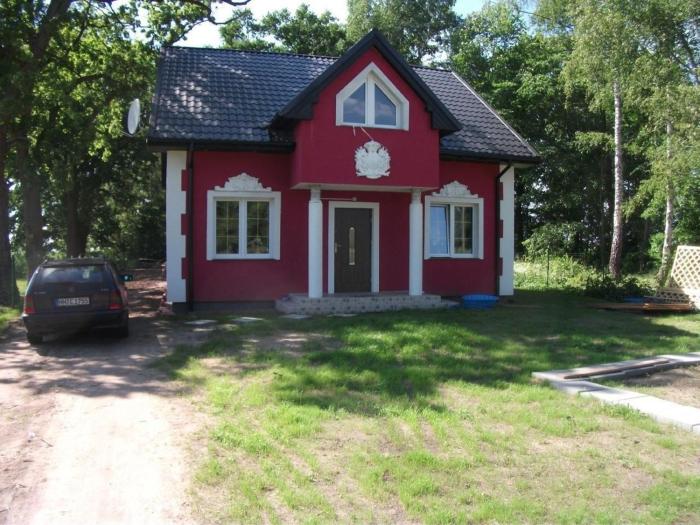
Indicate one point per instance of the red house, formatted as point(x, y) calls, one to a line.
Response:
point(315, 178)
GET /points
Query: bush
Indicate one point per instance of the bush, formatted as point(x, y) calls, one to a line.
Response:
point(565, 273)
point(604, 286)
point(555, 239)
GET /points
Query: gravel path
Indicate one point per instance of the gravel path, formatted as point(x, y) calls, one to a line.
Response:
point(88, 432)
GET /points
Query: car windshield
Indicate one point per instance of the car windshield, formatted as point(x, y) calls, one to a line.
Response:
point(72, 274)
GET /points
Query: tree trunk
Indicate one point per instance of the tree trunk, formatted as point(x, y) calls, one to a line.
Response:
point(668, 217)
point(616, 242)
point(603, 204)
point(7, 286)
point(76, 228)
point(31, 204)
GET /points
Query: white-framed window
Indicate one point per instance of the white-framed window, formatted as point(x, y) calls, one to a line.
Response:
point(371, 100)
point(454, 227)
point(243, 224)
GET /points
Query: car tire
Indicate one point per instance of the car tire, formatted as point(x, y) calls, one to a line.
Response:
point(34, 339)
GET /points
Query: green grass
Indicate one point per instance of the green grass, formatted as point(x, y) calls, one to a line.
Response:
point(6, 315)
point(432, 417)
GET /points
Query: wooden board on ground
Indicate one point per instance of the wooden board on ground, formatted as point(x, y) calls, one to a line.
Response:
point(645, 307)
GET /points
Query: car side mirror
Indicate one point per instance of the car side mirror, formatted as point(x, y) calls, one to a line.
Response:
point(126, 277)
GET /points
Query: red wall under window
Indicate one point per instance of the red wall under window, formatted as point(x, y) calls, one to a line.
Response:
point(325, 152)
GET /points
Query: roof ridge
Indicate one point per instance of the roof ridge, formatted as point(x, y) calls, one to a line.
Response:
point(251, 51)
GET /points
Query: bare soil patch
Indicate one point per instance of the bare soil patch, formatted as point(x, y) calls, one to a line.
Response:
point(680, 385)
point(89, 432)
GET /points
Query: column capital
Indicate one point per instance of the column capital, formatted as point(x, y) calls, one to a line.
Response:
point(316, 193)
point(415, 195)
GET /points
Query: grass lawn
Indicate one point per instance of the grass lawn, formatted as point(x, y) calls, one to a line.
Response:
point(7, 314)
point(432, 417)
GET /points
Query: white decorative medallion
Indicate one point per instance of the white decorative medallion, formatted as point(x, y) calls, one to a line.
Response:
point(242, 182)
point(455, 189)
point(372, 160)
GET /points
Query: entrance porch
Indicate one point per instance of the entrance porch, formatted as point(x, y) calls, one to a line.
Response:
point(358, 303)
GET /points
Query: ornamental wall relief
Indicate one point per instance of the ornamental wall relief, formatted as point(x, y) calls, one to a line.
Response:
point(372, 160)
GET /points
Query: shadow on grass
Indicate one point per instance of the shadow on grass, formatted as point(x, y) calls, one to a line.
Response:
point(380, 360)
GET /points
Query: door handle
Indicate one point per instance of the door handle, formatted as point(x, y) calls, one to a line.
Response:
point(335, 248)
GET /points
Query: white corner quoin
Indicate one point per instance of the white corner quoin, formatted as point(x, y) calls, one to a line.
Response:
point(507, 240)
point(175, 207)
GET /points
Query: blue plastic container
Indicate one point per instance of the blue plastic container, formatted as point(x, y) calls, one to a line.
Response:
point(479, 301)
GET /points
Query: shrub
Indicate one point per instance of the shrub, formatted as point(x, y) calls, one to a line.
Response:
point(604, 286)
point(555, 239)
point(564, 273)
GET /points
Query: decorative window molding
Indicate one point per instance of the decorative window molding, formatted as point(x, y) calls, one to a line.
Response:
point(459, 206)
point(372, 160)
point(372, 78)
point(245, 191)
point(242, 182)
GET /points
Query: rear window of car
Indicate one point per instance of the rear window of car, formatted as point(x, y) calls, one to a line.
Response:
point(83, 274)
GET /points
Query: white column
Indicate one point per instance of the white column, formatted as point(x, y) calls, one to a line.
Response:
point(315, 244)
point(415, 245)
point(507, 241)
point(175, 207)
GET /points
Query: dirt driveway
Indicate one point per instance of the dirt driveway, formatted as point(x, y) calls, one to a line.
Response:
point(88, 432)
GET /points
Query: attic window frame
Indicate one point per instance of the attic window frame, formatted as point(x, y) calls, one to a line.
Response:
point(369, 77)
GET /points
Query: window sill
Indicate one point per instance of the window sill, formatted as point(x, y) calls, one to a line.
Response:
point(266, 257)
point(372, 126)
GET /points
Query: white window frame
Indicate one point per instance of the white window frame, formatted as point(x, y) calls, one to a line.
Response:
point(477, 203)
point(243, 198)
point(371, 76)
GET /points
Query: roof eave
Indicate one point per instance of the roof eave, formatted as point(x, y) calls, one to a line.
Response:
point(451, 154)
point(163, 144)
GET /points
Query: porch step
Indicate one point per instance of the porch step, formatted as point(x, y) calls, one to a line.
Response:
point(351, 303)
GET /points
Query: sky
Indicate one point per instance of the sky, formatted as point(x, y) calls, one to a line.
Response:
point(208, 34)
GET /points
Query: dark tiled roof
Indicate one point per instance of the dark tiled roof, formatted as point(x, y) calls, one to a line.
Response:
point(230, 97)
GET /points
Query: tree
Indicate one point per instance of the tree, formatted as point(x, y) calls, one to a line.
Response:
point(30, 41)
point(302, 32)
point(605, 49)
point(419, 30)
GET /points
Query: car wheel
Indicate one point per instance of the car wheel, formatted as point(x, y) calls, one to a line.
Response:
point(34, 339)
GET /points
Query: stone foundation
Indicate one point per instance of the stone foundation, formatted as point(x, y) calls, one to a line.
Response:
point(358, 303)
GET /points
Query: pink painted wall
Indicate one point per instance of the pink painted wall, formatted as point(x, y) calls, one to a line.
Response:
point(250, 280)
point(460, 276)
point(241, 280)
point(325, 153)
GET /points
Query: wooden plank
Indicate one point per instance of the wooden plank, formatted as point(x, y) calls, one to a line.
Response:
point(645, 307)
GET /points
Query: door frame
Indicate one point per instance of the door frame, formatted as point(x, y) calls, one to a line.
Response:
point(374, 206)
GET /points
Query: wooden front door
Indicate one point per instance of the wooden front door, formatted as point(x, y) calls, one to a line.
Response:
point(353, 250)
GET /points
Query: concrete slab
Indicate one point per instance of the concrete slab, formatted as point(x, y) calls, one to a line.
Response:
point(247, 319)
point(295, 316)
point(572, 382)
point(575, 387)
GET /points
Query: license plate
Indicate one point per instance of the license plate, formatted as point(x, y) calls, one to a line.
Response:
point(72, 301)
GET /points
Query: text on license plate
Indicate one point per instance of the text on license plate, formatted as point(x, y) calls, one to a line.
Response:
point(72, 301)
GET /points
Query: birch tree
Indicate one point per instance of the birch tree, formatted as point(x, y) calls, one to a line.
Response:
point(605, 48)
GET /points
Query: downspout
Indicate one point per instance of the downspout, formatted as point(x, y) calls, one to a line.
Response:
point(190, 227)
point(497, 229)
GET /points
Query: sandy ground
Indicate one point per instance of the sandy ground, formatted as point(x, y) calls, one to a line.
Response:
point(681, 385)
point(88, 432)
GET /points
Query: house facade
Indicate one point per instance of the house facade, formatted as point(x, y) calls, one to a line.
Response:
point(294, 174)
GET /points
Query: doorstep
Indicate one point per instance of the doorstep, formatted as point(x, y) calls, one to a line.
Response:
point(359, 303)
